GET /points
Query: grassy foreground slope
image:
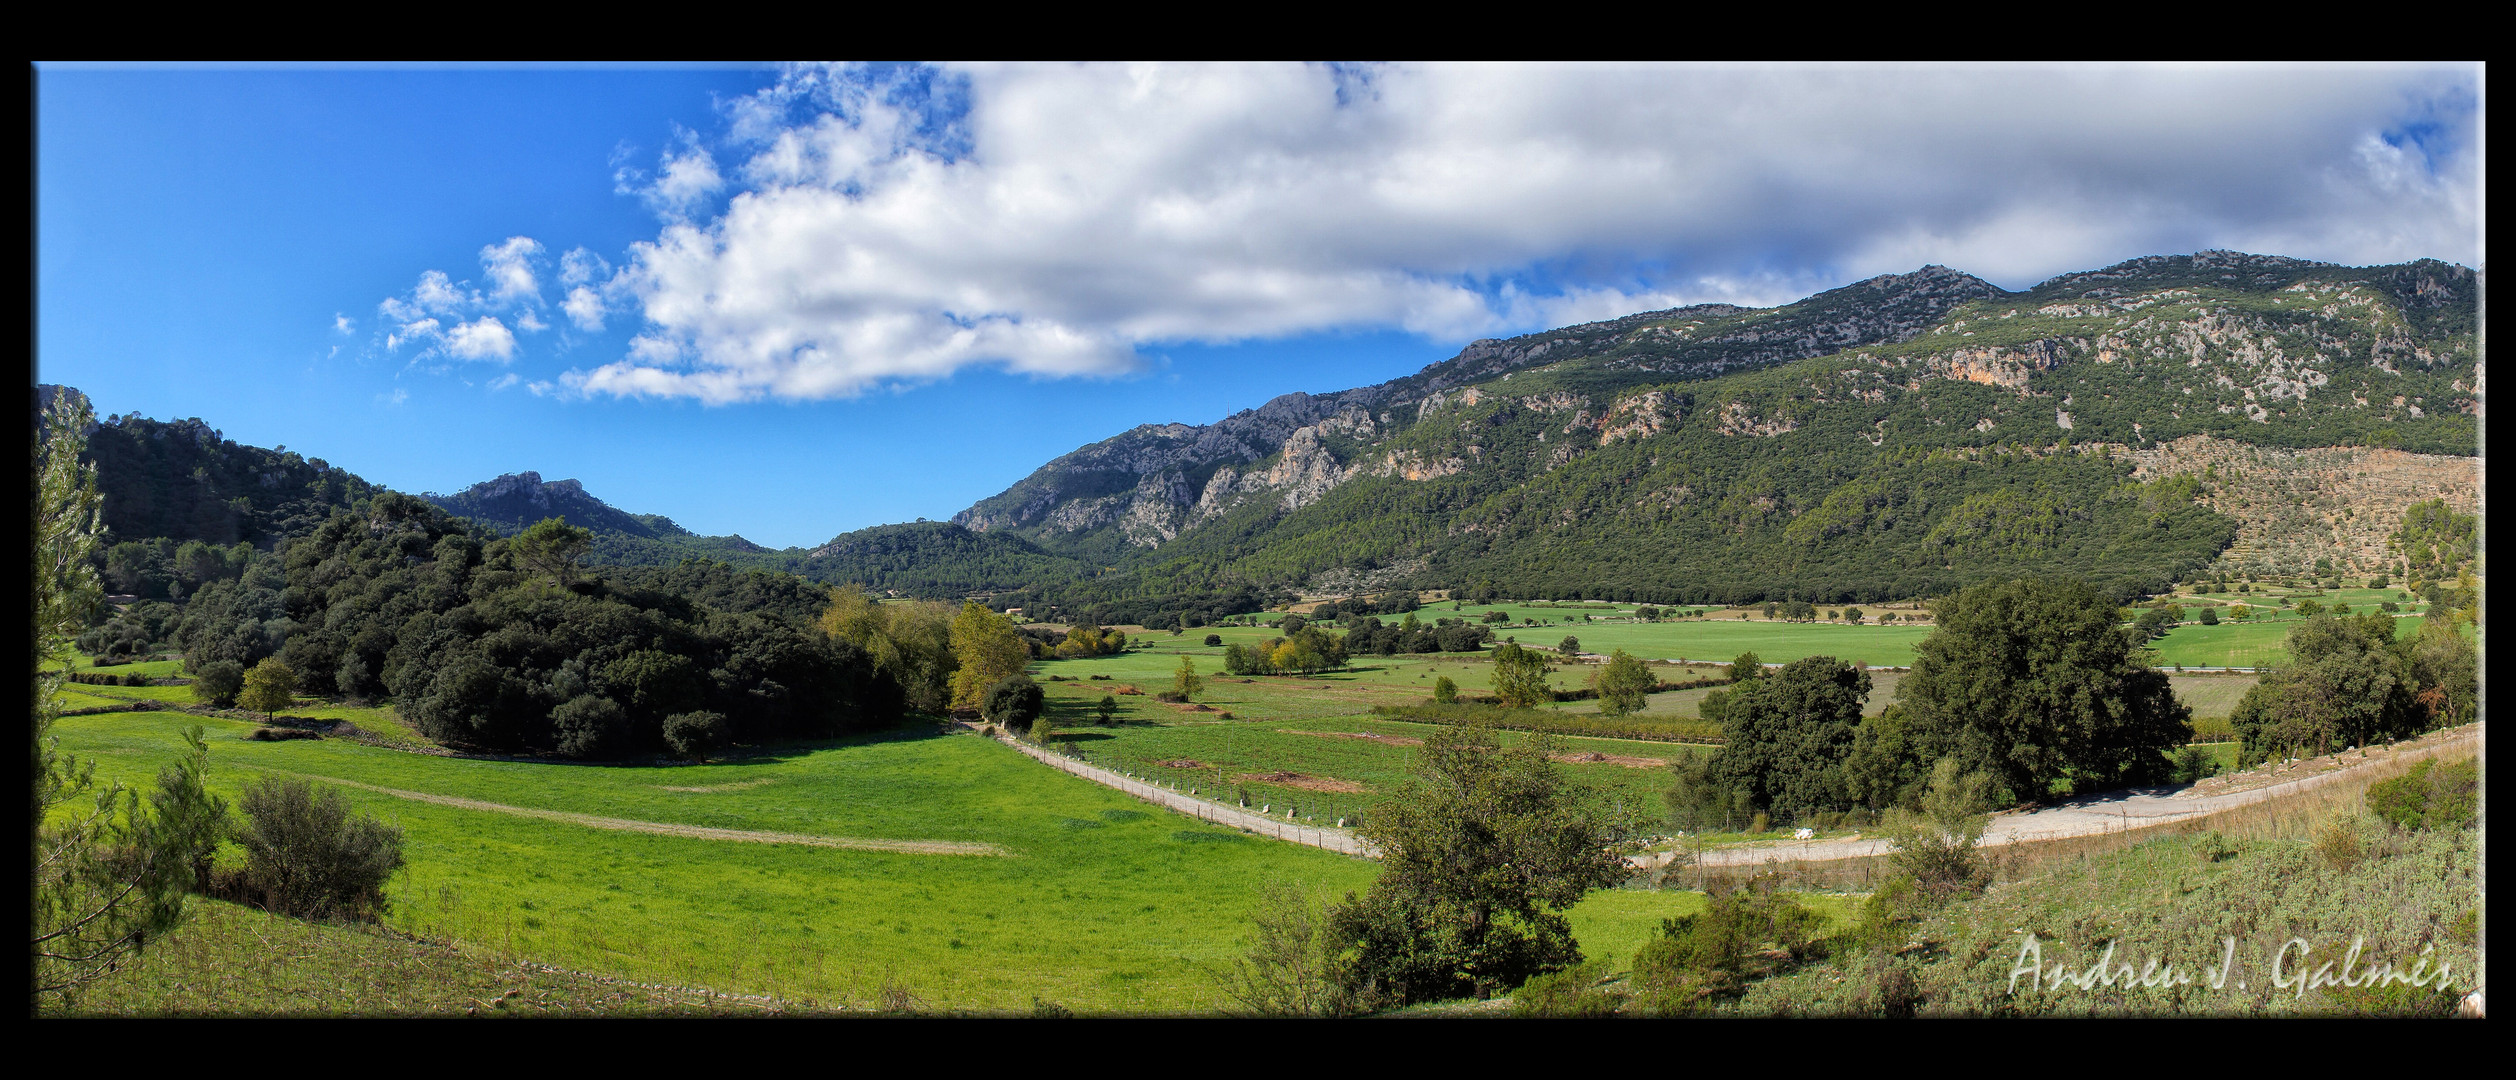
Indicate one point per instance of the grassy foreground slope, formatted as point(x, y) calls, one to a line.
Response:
point(1101, 905)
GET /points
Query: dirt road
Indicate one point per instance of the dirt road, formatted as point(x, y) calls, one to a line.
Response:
point(663, 828)
point(2114, 811)
point(1341, 841)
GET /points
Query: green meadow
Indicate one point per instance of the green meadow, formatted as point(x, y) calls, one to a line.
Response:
point(1100, 904)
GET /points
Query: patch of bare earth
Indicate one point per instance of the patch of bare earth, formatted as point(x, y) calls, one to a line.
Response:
point(1593, 757)
point(697, 832)
point(1384, 740)
point(1181, 763)
point(1306, 783)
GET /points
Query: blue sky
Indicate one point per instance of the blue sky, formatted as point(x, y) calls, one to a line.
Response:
point(790, 302)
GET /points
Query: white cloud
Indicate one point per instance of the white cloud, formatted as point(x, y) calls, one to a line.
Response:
point(343, 324)
point(504, 381)
point(580, 266)
point(436, 293)
point(484, 338)
point(889, 228)
point(397, 397)
point(529, 322)
point(509, 266)
point(584, 308)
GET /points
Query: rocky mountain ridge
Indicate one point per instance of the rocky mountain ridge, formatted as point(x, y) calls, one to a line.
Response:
point(2256, 349)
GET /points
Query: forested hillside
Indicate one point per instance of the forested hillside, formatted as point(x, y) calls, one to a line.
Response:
point(1903, 436)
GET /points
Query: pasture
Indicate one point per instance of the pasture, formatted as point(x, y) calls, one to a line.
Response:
point(1100, 904)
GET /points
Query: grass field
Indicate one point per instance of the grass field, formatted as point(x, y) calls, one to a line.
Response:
point(219, 963)
point(1102, 905)
point(2256, 643)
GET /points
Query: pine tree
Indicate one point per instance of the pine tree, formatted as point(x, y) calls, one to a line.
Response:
point(109, 876)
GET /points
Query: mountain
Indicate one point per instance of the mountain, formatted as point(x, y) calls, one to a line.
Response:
point(1900, 436)
point(184, 480)
point(516, 500)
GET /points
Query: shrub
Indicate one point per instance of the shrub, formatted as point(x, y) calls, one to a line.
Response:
point(2338, 842)
point(306, 856)
point(1213, 640)
point(589, 726)
point(1014, 701)
point(2193, 763)
point(693, 734)
point(218, 682)
point(1578, 991)
point(1445, 692)
point(2429, 796)
point(1936, 848)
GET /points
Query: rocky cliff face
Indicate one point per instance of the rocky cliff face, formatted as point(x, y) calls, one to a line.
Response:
point(516, 500)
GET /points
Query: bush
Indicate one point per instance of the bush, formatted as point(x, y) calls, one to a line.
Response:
point(1213, 640)
point(2193, 763)
point(218, 682)
point(693, 734)
point(2429, 796)
point(306, 856)
point(590, 726)
point(1578, 991)
point(1014, 701)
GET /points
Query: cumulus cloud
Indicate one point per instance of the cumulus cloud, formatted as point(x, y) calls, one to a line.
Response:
point(484, 338)
point(444, 319)
point(343, 324)
point(580, 266)
point(584, 308)
point(880, 226)
point(509, 267)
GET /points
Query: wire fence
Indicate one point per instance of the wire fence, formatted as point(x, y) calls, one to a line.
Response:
point(1341, 841)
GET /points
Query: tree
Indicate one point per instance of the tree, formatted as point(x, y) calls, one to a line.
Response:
point(306, 856)
point(1785, 738)
point(2036, 683)
point(1622, 684)
point(1445, 692)
point(551, 548)
point(2210, 616)
point(693, 734)
point(1107, 707)
point(2347, 684)
point(108, 876)
point(911, 643)
point(218, 682)
point(1852, 615)
point(989, 651)
point(269, 687)
point(1213, 640)
point(1748, 666)
point(1570, 646)
point(1520, 677)
point(1013, 702)
point(1936, 847)
point(1185, 682)
point(1481, 851)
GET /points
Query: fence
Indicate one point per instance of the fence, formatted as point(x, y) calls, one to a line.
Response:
point(1341, 841)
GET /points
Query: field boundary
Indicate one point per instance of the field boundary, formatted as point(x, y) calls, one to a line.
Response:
point(1341, 841)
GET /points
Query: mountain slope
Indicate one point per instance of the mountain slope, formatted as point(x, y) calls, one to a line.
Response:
point(517, 500)
point(1897, 437)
